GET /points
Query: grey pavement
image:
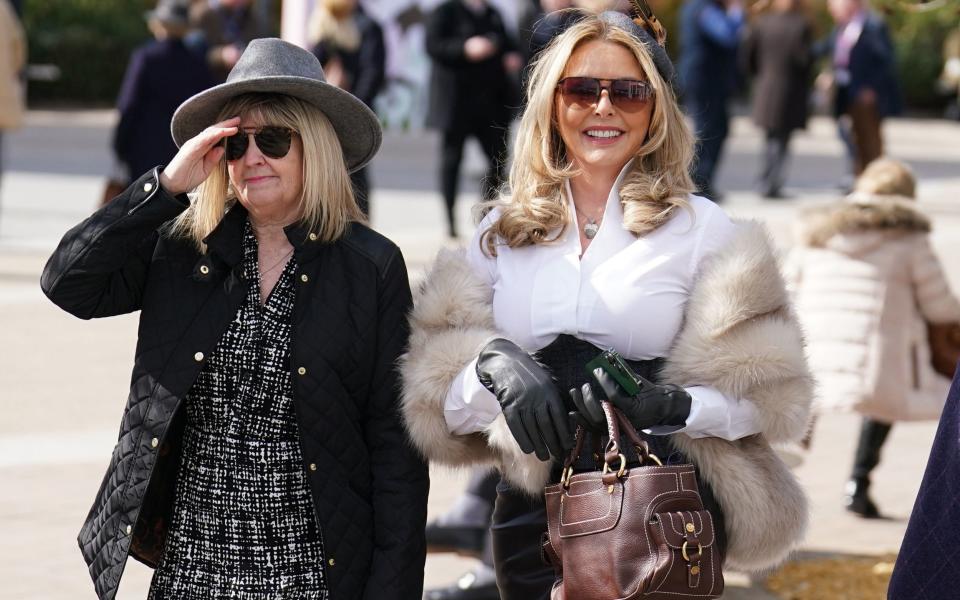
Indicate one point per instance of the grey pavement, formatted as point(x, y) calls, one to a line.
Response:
point(63, 381)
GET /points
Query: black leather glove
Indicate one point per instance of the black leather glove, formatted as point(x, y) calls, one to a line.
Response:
point(655, 404)
point(530, 400)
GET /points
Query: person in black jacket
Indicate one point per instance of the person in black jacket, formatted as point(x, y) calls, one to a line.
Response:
point(470, 91)
point(864, 79)
point(261, 452)
point(161, 74)
point(350, 46)
point(709, 38)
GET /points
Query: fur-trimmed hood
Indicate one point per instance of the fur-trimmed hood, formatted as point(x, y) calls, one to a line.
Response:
point(860, 213)
point(739, 336)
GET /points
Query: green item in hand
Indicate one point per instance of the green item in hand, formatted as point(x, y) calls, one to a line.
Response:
point(615, 365)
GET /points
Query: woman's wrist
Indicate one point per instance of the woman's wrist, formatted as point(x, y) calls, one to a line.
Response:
point(168, 185)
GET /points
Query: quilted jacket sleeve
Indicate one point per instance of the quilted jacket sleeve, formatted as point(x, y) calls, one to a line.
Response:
point(400, 477)
point(100, 267)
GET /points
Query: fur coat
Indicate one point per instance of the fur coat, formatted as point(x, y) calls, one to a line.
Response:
point(739, 336)
point(866, 282)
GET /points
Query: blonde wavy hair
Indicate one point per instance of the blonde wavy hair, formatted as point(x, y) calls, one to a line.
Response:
point(327, 203)
point(331, 22)
point(658, 182)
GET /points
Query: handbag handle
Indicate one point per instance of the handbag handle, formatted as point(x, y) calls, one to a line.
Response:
point(615, 421)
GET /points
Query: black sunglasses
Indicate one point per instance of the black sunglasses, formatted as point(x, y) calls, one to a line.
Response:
point(626, 94)
point(273, 142)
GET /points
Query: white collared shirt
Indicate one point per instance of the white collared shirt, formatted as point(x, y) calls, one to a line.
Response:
point(626, 293)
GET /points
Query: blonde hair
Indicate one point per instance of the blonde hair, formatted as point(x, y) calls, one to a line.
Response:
point(658, 181)
point(331, 23)
point(327, 203)
point(887, 177)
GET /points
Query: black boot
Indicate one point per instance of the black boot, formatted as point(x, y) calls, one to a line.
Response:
point(858, 501)
point(872, 436)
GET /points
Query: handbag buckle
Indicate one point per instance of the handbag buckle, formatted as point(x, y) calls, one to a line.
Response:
point(620, 471)
point(683, 551)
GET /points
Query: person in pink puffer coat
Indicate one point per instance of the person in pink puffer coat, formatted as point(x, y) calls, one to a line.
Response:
point(866, 281)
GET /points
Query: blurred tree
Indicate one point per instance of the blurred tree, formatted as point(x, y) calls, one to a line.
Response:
point(89, 40)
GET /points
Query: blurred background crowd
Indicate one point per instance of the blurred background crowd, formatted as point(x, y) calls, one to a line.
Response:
point(856, 62)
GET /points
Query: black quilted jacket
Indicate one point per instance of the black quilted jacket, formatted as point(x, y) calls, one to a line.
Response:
point(369, 486)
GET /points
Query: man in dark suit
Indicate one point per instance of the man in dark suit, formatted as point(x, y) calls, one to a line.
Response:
point(864, 80)
point(471, 93)
point(709, 38)
point(160, 76)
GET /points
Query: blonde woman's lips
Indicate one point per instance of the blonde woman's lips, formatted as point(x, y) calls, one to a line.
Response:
point(602, 136)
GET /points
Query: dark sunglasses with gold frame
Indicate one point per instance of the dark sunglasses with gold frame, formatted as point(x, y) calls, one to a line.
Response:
point(628, 95)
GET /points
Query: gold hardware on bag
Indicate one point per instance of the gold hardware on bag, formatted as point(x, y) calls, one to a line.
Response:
point(683, 551)
point(641, 453)
point(690, 527)
point(565, 477)
point(620, 471)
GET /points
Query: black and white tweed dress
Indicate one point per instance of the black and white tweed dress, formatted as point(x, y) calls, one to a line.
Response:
point(243, 523)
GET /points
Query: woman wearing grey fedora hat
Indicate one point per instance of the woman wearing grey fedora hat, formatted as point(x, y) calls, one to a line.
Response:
point(260, 455)
point(602, 244)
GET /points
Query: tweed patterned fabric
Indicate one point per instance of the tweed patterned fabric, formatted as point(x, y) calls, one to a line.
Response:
point(243, 523)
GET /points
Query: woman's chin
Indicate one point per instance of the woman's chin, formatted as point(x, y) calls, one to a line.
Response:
point(604, 161)
point(260, 202)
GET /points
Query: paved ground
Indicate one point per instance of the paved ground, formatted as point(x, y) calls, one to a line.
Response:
point(63, 381)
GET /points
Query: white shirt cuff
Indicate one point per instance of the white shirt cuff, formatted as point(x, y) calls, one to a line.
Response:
point(713, 414)
point(469, 407)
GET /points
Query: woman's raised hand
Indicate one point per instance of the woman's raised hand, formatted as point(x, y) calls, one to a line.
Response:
point(197, 158)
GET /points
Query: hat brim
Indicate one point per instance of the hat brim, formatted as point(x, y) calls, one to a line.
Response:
point(355, 124)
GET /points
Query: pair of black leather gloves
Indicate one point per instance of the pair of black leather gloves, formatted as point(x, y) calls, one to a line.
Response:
point(538, 416)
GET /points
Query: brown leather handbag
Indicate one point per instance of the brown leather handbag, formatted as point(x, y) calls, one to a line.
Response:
point(637, 532)
point(944, 340)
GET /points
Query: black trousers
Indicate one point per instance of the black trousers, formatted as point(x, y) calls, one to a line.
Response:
point(493, 142)
point(711, 121)
point(775, 158)
point(867, 456)
point(519, 523)
point(483, 484)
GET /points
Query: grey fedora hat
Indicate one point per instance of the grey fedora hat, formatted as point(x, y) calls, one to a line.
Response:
point(271, 65)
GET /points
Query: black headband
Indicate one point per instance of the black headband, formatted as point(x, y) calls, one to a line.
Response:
point(657, 52)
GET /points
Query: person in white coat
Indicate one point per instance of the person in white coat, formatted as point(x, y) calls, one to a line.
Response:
point(866, 283)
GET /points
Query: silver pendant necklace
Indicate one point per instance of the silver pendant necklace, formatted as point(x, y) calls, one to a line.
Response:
point(591, 227)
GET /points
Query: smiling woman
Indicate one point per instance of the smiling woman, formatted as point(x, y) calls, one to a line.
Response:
point(601, 135)
point(601, 245)
point(260, 455)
